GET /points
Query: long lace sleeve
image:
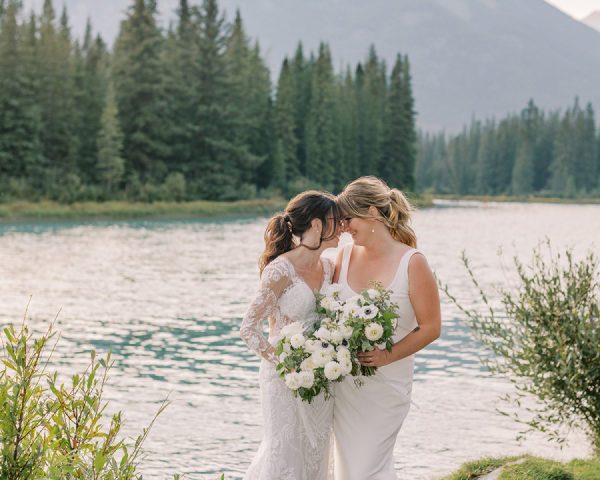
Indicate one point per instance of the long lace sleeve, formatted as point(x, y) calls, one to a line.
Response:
point(274, 280)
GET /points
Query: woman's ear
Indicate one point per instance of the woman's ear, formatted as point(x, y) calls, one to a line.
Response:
point(374, 212)
point(316, 224)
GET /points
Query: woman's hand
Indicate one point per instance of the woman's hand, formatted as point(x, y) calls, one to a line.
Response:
point(375, 358)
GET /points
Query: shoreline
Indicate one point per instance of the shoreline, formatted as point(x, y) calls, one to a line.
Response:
point(27, 211)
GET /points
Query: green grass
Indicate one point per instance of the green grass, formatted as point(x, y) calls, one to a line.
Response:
point(532, 468)
point(48, 210)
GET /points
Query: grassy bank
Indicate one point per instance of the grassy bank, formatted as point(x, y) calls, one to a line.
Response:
point(46, 210)
point(121, 210)
point(519, 199)
point(530, 468)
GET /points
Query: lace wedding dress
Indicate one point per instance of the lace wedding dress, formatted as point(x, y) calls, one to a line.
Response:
point(297, 435)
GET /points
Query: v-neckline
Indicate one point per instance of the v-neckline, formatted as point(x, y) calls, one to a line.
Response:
point(391, 284)
point(301, 278)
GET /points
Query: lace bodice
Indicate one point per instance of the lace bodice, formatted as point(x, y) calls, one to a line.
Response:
point(283, 297)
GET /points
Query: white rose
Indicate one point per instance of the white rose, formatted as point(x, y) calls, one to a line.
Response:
point(335, 305)
point(333, 370)
point(323, 334)
point(373, 294)
point(342, 353)
point(346, 331)
point(326, 303)
point(333, 290)
point(292, 329)
point(346, 366)
point(307, 379)
point(373, 331)
point(320, 358)
point(292, 381)
point(310, 345)
point(326, 322)
point(336, 337)
point(307, 365)
point(297, 340)
point(368, 312)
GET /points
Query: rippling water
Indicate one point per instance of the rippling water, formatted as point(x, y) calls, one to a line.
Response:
point(167, 298)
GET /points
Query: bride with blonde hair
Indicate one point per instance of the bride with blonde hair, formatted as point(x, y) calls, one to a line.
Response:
point(367, 419)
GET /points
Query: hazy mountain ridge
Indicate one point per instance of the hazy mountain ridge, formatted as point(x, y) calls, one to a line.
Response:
point(469, 57)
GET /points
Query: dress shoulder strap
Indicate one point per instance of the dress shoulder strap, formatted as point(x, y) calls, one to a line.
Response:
point(346, 253)
point(405, 261)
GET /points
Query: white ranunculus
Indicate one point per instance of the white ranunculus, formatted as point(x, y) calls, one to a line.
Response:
point(282, 357)
point(368, 312)
point(335, 305)
point(307, 379)
point(373, 294)
point(346, 331)
point(287, 348)
point(342, 353)
point(292, 381)
point(292, 329)
point(310, 345)
point(333, 290)
point(346, 366)
point(326, 303)
point(325, 322)
point(336, 337)
point(320, 357)
point(323, 334)
point(333, 370)
point(373, 331)
point(307, 365)
point(297, 340)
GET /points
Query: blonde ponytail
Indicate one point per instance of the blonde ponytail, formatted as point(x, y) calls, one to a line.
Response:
point(395, 209)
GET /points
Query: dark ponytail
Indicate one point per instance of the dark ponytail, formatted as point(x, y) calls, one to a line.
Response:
point(297, 218)
point(278, 239)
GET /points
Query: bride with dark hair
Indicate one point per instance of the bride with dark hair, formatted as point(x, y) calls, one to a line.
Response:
point(297, 435)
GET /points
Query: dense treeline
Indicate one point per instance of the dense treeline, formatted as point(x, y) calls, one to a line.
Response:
point(534, 152)
point(189, 112)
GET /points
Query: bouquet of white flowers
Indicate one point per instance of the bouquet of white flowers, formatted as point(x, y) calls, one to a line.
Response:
point(366, 321)
point(310, 359)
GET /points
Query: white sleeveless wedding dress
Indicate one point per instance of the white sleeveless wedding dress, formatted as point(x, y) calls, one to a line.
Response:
point(297, 435)
point(367, 419)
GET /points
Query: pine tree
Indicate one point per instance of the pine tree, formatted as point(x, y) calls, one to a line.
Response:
point(302, 72)
point(110, 165)
point(91, 83)
point(19, 117)
point(56, 98)
point(221, 160)
point(285, 123)
point(348, 122)
point(523, 177)
point(320, 124)
point(138, 75)
point(398, 160)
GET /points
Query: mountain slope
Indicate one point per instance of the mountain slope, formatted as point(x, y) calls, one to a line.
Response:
point(593, 20)
point(469, 57)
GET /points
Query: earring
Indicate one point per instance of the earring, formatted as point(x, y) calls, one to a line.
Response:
point(372, 230)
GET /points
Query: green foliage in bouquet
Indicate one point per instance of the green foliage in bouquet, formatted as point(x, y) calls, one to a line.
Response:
point(363, 320)
point(546, 340)
point(52, 430)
